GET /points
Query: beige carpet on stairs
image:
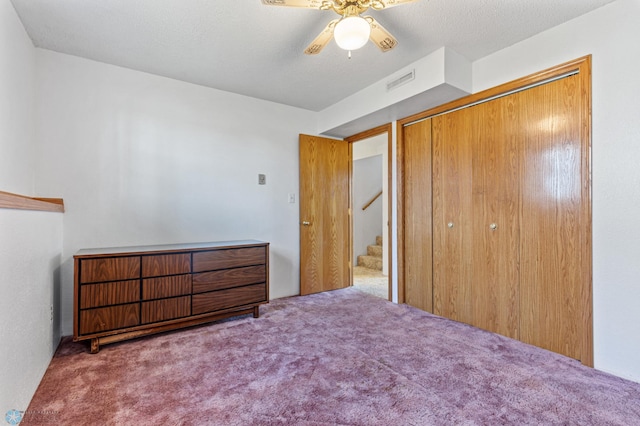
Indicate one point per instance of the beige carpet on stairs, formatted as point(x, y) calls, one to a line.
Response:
point(367, 274)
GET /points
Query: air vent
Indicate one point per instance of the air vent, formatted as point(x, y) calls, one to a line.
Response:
point(401, 80)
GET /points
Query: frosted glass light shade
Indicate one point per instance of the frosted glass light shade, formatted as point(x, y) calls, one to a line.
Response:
point(352, 32)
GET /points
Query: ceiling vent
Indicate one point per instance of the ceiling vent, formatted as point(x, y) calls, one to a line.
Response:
point(410, 76)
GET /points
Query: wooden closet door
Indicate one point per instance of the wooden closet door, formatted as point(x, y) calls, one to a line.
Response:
point(555, 272)
point(452, 214)
point(495, 249)
point(417, 215)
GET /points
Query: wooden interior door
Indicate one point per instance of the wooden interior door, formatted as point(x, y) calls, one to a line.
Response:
point(324, 214)
point(496, 225)
point(418, 288)
point(452, 214)
point(555, 273)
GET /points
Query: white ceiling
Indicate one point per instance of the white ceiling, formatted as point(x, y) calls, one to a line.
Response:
point(245, 47)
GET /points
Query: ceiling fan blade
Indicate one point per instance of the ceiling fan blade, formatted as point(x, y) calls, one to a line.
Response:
point(322, 40)
point(380, 36)
point(313, 4)
point(383, 4)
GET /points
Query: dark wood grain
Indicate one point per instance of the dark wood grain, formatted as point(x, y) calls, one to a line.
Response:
point(226, 278)
point(109, 269)
point(102, 309)
point(229, 258)
point(166, 309)
point(166, 264)
point(230, 298)
point(158, 288)
point(113, 317)
point(113, 293)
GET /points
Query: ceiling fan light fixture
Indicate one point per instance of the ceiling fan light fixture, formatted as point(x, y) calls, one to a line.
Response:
point(352, 32)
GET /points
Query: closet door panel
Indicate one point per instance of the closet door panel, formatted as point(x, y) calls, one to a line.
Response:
point(452, 212)
point(554, 281)
point(417, 215)
point(494, 294)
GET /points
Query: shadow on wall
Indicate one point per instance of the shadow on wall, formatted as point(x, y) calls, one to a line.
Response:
point(56, 301)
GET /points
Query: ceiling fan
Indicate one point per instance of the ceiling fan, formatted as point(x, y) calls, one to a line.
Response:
point(352, 30)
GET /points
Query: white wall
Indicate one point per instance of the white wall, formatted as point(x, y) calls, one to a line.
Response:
point(611, 35)
point(29, 287)
point(30, 242)
point(378, 145)
point(141, 159)
point(17, 70)
point(366, 183)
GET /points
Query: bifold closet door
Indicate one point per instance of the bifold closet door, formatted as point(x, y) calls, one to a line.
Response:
point(495, 218)
point(476, 218)
point(417, 215)
point(555, 260)
point(452, 179)
point(511, 214)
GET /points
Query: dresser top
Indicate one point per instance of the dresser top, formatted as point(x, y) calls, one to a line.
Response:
point(136, 250)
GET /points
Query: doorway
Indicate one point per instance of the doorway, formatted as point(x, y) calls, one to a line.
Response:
point(370, 212)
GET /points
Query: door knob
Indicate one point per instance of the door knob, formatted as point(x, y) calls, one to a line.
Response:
point(450, 224)
point(493, 226)
point(305, 223)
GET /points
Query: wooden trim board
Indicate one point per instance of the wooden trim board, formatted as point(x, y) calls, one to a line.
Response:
point(21, 202)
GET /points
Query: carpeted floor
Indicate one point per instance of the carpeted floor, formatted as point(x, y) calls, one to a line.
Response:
point(371, 281)
point(341, 357)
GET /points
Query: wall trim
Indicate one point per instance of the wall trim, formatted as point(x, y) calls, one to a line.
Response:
point(22, 202)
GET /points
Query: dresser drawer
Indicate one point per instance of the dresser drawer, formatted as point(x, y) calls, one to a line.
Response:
point(227, 278)
point(230, 298)
point(111, 318)
point(228, 258)
point(127, 292)
point(166, 309)
point(158, 288)
point(109, 269)
point(166, 264)
point(104, 294)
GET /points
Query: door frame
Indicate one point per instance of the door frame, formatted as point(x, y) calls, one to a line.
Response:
point(385, 128)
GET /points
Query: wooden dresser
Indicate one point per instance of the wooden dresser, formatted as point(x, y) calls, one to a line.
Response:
point(127, 292)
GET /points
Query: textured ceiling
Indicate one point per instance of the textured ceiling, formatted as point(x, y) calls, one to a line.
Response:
point(245, 47)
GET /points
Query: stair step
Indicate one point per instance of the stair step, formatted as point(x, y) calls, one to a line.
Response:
point(379, 240)
point(374, 251)
point(370, 262)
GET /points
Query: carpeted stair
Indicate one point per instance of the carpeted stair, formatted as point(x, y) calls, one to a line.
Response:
point(373, 258)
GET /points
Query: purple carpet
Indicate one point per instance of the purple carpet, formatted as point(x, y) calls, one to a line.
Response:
point(342, 357)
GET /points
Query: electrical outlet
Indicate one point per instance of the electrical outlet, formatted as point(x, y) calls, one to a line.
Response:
point(51, 311)
point(262, 179)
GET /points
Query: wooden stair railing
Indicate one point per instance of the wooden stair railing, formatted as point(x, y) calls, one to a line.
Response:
point(366, 206)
